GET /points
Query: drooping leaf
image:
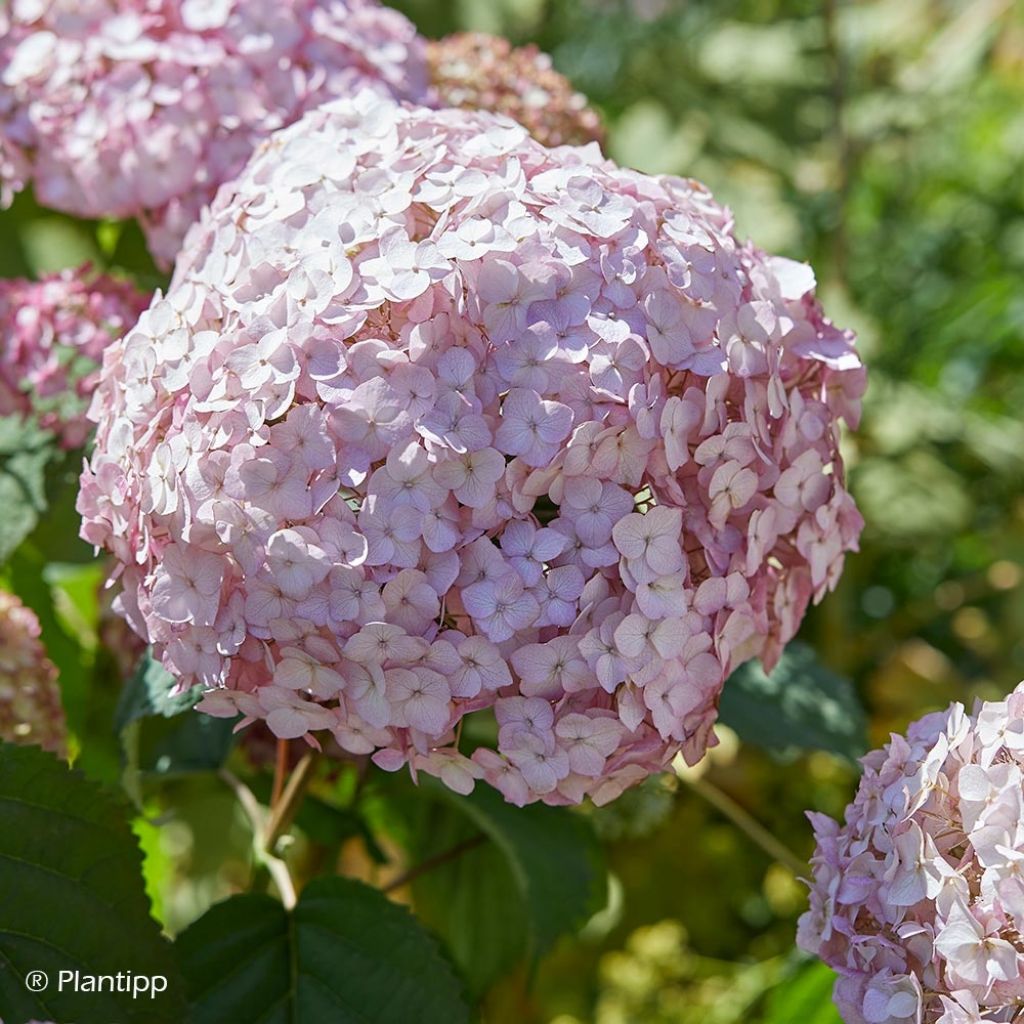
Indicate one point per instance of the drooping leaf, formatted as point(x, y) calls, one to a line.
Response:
point(25, 450)
point(345, 954)
point(72, 898)
point(553, 858)
point(472, 900)
point(802, 705)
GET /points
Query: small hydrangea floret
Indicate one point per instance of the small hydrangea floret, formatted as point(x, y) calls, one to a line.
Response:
point(142, 108)
point(917, 899)
point(436, 422)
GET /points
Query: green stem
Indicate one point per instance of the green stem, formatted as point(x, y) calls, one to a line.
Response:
point(257, 819)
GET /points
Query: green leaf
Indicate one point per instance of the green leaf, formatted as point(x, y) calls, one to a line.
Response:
point(805, 996)
point(554, 863)
point(73, 898)
point(169, 747)
point(345, 954)
point(802, 705)
point(25, 450)
point(472, 901)
point(57, 532)
point(160, 733)
point(151, 691)
point(54, 241)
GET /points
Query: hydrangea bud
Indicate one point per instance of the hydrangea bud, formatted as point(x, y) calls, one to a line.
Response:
point(918, 897)
point(142, 108)
point(435, 421)
point(476, 71)
point(30, 706)
point(52, 336)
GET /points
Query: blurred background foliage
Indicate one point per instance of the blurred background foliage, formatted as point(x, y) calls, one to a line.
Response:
point(883, 142)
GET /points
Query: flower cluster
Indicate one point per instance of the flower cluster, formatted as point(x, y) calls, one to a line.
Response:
point(435, 420)
point(30, 707)
point(476, 71)
point(918, 899)
point(122, 108)
point(52, 336)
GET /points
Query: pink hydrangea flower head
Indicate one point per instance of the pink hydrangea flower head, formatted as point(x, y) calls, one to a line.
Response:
point(52, 336)
point(477, 71)
point(30, 705)
point(918, 897)
point(142, 108)
point(472, 425)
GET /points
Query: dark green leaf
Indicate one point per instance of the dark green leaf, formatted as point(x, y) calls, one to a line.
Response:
point(151, 691)
point(472, 901)
point(25, 450)
point(190, 742)
point(72, 898)
point(161, 734)
point(553, 857)
point(345, 954)
point(56, 533)
point(802, 705)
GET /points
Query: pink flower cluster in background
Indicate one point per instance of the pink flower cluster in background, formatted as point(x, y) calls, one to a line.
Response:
point(52, 336)
point(918, 898)
point(434, 421)
point(142, 108)
point(476, 71)
point(30, 707)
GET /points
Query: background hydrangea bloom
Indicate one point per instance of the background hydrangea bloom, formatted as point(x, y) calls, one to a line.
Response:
point(435, 420)
point(30, 706)
point(477, 71)
point(123, 108)
point(52, 336)
point(918, 898)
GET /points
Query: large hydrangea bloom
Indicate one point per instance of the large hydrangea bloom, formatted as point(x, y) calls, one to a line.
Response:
point(434, 420)
point(52, 336)
point(123, 108)
point(918, 898)
point(477, 71)
point(30, 706)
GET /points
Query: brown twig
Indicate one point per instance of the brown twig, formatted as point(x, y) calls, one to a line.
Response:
point(280, 772)
point(436, 861)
